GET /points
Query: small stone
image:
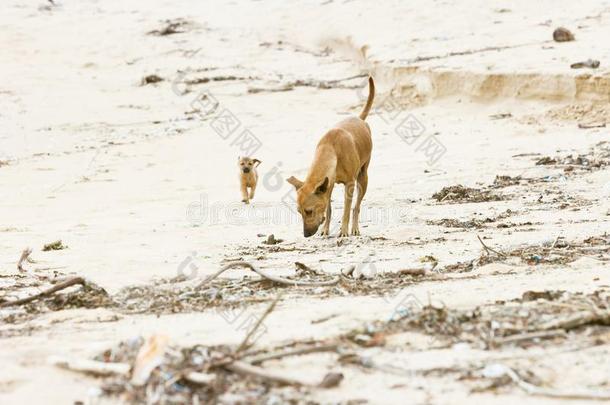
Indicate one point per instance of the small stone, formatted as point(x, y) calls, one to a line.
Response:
point(562, 34)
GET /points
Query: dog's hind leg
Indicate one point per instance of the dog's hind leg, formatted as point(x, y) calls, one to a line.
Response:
point(347, 207)
point(363, 181)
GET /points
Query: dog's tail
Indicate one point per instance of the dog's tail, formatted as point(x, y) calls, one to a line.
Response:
point(369, 101)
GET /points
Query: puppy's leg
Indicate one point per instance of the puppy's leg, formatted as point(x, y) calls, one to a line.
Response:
point(347, 207)
point(252, 190)
point(363, 181)
point(244, 193)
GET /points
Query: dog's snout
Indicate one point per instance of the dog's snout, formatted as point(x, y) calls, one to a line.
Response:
point(308, 232)
point(246, 170)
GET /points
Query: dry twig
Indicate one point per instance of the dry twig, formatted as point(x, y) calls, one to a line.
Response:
point(294, 352)
point(244, 344)
point(543, 392)
point(488, 249)
point(275, 279)
point(25, 256)
point(52, 290)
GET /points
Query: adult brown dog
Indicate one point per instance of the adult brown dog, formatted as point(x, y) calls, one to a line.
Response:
point(342, 156)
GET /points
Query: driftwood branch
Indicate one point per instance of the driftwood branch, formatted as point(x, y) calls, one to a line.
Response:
point(529, 336)
point(294, 352)
point(544, 392)
point(100, 368)
point(275, 279)
point(45, 293)
point(244, 368)
point(577, 320)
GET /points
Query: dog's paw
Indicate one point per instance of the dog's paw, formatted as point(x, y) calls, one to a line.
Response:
point(355, 232)
point(344, 233)
point(324, 232)
point(245, 201)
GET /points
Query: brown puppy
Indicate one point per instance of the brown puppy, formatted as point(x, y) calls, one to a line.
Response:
point(247, 177)
point(342, 156)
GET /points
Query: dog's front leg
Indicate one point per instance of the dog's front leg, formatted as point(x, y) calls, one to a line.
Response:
point(347, 208)
point(252, 190)
point(326, 229)
point(244, 193)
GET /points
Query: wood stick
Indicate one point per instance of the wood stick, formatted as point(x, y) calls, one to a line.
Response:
point(244, 344)
point(413, 272)
point(528, 336)
point(578, 319)
point(294, 352)
point(90, 366)
point(25, 256)
point(275, 279)
point(244, 368)
point(52, 290)
point(534, 390)
point(488, 249)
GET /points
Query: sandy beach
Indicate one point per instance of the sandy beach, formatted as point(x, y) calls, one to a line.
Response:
point(482, 271)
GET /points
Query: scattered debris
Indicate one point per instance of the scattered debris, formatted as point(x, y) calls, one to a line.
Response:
point(562, 34)
point(150, 356)
point(546, 161)
point(272, 241)
point(171, 27)
point(57, 245)
point(588, 126)
point(460, 194)
point(500, 116)
point(506, 181)
point(151, 79)
point(413, 272)
point(456, 223)
point(139, 371)
point(203, 80)
point(589, 63)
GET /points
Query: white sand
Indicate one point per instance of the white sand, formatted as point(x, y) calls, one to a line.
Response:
point(116, 171)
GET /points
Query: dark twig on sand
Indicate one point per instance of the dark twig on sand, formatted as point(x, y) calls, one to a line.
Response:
point(488, 249)
point(45, 293)
point(293, 352)
point(244, 368)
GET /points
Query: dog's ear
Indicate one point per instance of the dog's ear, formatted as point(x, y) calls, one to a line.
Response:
point(322, 187)
point(256, 162)
point(295, 182)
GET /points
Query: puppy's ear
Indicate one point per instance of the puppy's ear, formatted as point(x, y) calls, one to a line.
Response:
point(256, 162)
point(295, 182)
point(322, 187)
